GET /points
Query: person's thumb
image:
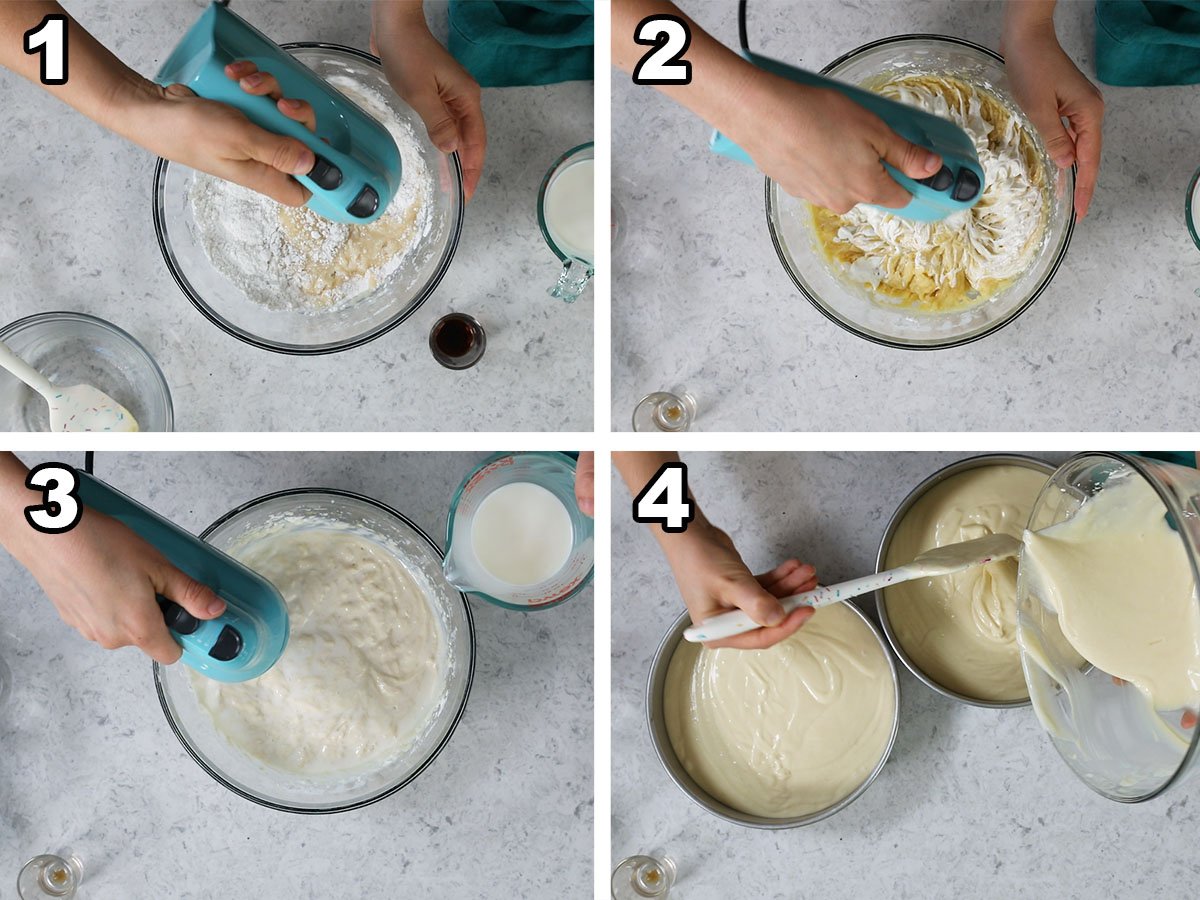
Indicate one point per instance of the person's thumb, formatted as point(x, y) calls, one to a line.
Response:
point(283, 154)
point(441, 125)
point(750, 597)
point(1058, 143)
point(196, 598)
point(914, 161)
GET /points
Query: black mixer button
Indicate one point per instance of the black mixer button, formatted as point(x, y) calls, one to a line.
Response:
point(967, 186)
point(325, 174)
point(177, 618)
point(364, 204)
point(228, 644)
point(939, 180)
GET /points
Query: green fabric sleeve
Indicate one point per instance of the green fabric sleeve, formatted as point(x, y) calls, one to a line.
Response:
point(1145, 43)
point(504, 43)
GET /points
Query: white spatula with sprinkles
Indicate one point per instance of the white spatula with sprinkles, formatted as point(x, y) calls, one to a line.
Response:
point(80, 407)
point(930, 564)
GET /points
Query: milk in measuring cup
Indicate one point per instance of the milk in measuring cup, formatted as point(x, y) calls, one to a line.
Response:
point(522, 533)
point(568, 209)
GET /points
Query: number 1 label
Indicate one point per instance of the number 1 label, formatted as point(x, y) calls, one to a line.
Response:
point(50, 40)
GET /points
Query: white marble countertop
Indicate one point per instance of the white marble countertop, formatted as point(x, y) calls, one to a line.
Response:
point(972, 803)
point(76, 233)
point(701, 300)
point(87, 759)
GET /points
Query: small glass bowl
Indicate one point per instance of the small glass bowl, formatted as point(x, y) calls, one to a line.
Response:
point(851, 305)
point(292, 331)
point(296, 793)
point(73, 348)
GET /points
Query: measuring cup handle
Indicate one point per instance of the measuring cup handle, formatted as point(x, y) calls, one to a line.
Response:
point(571, 281)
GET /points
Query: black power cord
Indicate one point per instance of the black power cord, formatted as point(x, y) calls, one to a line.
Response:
point(89, 460)
point(743, 37)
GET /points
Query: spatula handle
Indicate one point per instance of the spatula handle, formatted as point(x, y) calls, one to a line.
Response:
point(24, 371)
point(737, 622)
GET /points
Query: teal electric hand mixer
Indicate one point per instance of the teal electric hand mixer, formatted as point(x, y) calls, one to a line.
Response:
point(358, 166)
point(245, 640)
point(956, 186)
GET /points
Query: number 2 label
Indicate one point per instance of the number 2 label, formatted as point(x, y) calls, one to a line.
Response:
point(60, 508)
point(49, 39)
point(664, 500)
point(670, 38)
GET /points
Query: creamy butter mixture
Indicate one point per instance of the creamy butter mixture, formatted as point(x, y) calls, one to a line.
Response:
point(1118, 577)
point(363, 672)
point(965, 258)
point(960, 629)
point(786, 731)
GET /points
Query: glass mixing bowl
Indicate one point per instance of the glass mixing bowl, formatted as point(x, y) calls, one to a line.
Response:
point(1191, 209)
point(72, 348)
point(853, 306)
point(291, 792)
point(1102, 728)
point(291, 331)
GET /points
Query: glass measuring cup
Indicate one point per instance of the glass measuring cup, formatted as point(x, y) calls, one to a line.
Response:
point(1102, 727)
point(50, 875)
point(551, 470)
point(578, 262)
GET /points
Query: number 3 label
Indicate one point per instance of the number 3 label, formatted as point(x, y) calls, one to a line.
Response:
point(664, 64)
point(664, 501)
point(60, 508)
point(49, 39)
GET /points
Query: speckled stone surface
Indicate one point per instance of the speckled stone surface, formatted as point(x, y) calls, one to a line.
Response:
point(700, 298)
point(973, 802)
point(76, 233)
point(87, 759)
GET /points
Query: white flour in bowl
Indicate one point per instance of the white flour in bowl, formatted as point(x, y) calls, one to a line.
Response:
point(292, 259)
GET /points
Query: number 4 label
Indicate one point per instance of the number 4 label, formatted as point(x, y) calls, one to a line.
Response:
point(670, 38)
point(60, 508)
point(49, 39)
point(664, 500)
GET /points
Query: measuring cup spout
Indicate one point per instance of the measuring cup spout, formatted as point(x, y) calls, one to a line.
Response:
point(454, 574)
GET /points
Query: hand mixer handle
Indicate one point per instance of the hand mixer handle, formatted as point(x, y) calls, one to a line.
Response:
point(358, 167)
point(959, 183)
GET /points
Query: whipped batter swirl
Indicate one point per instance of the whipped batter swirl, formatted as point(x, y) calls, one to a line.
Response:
point(364, 669)
point(962, 259)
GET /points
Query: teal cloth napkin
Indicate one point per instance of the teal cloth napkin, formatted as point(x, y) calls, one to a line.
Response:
point(1142, 42)
point(504, 43)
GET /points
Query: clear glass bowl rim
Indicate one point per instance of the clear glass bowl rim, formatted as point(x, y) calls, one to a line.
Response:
point(158, 186)
point(777, 241)
point(454, 722)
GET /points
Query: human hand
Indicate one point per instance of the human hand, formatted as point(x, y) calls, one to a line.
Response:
point(426, 77)
point(713, 579)
point(820, 145)
point(102, 578)
point(1049, 87)
point(585, 483)
point(218, 139)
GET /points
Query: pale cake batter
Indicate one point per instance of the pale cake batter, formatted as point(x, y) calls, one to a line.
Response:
point(364, 670)
point(960, 629)
point(967, 257)
point(786, 731)
point(1119, 579)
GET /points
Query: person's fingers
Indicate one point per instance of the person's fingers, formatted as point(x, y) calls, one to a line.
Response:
point(150, 635)
point(766, 637)
point(750, 597)
point(1087, 155)
point(300, 110)
point(585, 483)
point(261, 84)
point(1188, 720)
point(262, 178)
point(797, 582)
point(178, 91)
point(787, 574)
point(239, 69)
